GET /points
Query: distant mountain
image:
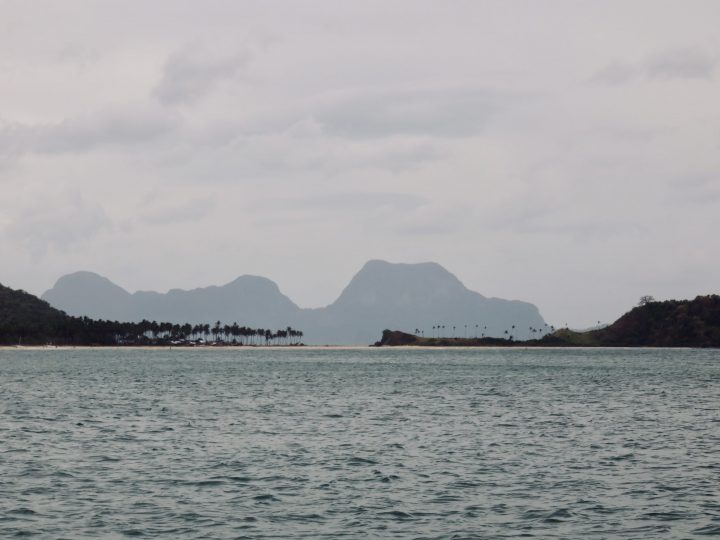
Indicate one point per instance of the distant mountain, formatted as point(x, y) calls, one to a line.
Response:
point(381, 295)
point(248, 298)
point(90, 295)
point(415, 296)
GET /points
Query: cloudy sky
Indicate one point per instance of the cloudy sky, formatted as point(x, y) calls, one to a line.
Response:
point(566, 153)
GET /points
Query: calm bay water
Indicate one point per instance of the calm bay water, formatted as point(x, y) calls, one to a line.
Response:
point(360, 443)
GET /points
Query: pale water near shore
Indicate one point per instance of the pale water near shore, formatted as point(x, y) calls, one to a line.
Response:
point(360, 443)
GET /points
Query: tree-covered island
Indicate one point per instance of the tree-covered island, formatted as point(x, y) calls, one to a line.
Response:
point(671, 323)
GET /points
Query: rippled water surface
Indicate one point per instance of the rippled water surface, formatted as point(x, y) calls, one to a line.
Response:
point(360, 443)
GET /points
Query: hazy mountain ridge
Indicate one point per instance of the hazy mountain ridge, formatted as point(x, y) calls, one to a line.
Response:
point(380, 295)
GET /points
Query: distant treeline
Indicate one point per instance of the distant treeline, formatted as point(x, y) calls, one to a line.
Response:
point(218, 333)
point(27, 320)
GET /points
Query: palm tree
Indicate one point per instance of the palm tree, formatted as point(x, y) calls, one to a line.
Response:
point(216, 330)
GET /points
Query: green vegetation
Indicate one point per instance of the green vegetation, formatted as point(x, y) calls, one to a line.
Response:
point(27, 320)
point(672, 323)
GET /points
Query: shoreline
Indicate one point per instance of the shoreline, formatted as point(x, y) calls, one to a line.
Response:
point(49, 348)
point(177, 347)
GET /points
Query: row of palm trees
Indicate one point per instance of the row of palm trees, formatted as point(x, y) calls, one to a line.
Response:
point(447, 331)
point(218, 333)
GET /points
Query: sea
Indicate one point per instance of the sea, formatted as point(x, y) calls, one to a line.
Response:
point(360, 443)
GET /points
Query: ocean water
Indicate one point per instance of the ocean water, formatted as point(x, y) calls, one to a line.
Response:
point(376, 443)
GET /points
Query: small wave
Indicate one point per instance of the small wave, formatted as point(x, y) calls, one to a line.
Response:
point(622, 457)
point(665, 487)
point(464, 484)
point(397, 514)
point(106, 458)
point(300, 518)
point(667, 516)
point(708, 530)
point(445, 498)
point(238, 479)
point(600, 509)
point(266, 497)
point(558, 516)
point(37, 490)
point(204, 483)
point(22, 511)
point(356, 461)
point(385, 478)
point(229, 464)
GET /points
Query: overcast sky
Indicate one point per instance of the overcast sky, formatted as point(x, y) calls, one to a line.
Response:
point(566, 153)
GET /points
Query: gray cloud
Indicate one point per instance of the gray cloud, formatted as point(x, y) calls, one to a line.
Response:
point(126, 125)
point(453, 112)
point(186, 212)
point(680, 64)
point(380, 207)
point(365, 201)
point(701, 189)
point(615, 73)
point(58, 224)
point(192, 73)
point(432, 220)
point(284, 153)
point(685, 63)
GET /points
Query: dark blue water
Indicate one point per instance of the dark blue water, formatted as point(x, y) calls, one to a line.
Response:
point(360, 444)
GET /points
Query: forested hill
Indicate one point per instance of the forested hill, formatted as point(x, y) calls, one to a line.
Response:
point(27, 320)
point(671, 323)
